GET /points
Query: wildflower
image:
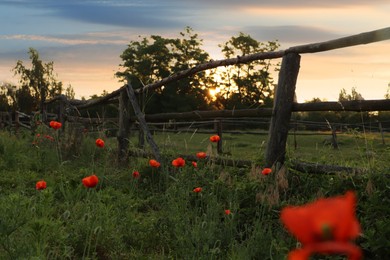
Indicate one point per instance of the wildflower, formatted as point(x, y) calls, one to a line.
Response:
point(99, 143)
point(48, 137)
point(215, 138)
point(325, 226)
point(197, 190)
point(201, 155)
point(154, 163)
point(40, 185)
point(179, 162)
point(227, 212)
point(136, 174)
point(90, 181)
point(55, 125)
point(194, 164)
point(266, 171)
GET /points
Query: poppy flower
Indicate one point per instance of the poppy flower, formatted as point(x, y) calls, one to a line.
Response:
point(40, 185)
point(197, 190)
point(136, 174)
point(201, 155)
point(90, 181)
point(48, 137)
point(325, 226)
point(99, 143)
point(154, 163)
point(227, 212)
point(179, 162)
point(55, 125)
point(215, 138)
point(266, 171)
point(195, 164)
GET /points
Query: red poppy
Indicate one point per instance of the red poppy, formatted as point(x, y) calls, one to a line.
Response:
point(197, 190)
point(215, 138)
point(99, 143)
point(266, 171)
point(195, 164)
point(154, 163)
point(90, 181)
point(227, 212)
point(136, 174)
point(40, 185)
point(48, 137)
point(325, 226)
point(55, 125)
point(179, 162)
point(201, 155)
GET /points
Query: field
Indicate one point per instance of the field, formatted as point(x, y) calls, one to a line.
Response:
point(158, 216)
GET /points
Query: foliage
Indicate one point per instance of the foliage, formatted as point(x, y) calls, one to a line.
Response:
point(154, 58)
point(246, 85)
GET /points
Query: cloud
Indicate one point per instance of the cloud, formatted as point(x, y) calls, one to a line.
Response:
point(80, 40)
point(291, 33)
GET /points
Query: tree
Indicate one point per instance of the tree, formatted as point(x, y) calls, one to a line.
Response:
point(246, 85)
point(38, 82)
point(154, 58)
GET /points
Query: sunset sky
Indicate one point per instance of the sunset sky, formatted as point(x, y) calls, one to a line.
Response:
point(84, 39)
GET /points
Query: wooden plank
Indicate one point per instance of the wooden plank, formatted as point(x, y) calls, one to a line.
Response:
point(141, 120)
point(354, 105)
point(284, 98)
point(124, 128)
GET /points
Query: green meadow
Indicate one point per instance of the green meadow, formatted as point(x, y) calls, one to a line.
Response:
point(158, 216)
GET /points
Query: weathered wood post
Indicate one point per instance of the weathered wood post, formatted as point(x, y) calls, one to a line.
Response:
point(124, 128)
point(218, 129)
point(61, 112)
point(141, 120)
point(284, 98)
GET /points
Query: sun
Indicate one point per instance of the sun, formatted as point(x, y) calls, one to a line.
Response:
point(214, 91)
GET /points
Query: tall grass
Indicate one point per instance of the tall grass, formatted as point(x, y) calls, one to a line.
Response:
point(158, 216)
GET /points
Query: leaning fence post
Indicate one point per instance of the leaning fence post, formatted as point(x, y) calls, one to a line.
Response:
point(141, 120)
point(281, 115)
point(124, 128)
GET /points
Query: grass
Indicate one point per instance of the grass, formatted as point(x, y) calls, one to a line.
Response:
point(158, 216)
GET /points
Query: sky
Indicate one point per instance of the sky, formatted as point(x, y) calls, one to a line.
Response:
point(85, 38)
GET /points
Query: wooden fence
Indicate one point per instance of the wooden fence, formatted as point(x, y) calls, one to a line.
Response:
point(280, 114)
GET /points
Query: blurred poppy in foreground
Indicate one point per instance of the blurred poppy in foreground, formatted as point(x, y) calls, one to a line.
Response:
point(195, 164)
point(154, 163)
point(55, 125)
point(179, 162)
point(325, 226)
point(227, 212)
point(90, 181)
point(40, 185)
point(99, 143)
point(215, 138)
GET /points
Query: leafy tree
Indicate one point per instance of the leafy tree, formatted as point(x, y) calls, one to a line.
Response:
point(343, 96)
point(154, 58)
point(37, 82)
point(246, 85)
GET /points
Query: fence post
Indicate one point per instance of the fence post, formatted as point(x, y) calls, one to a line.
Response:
point(281, 115)
point(124, 128)
point(141, 120)
point(218, 129)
